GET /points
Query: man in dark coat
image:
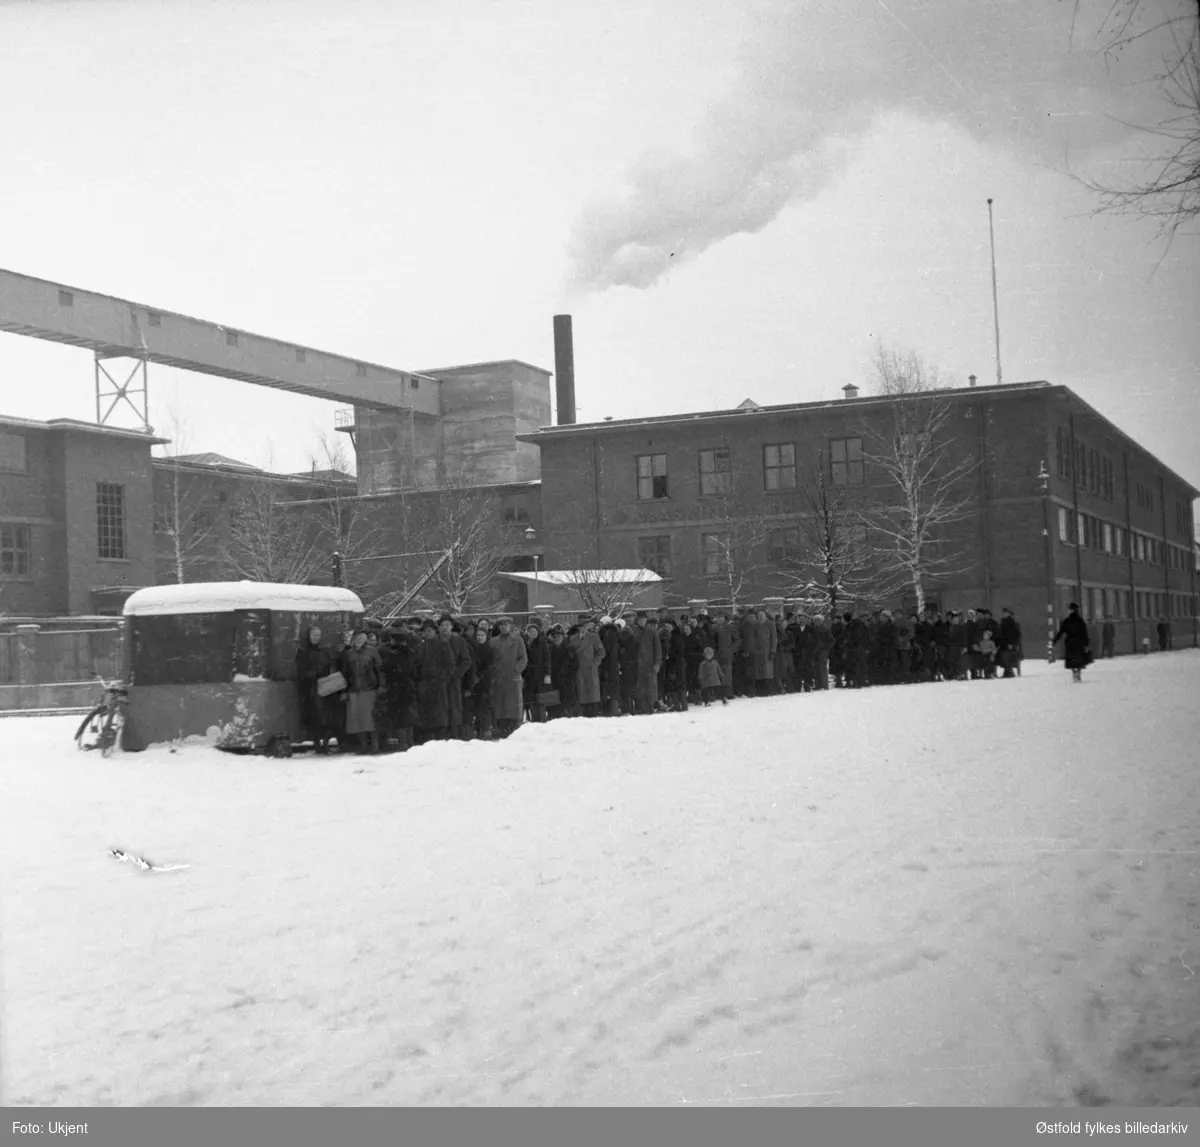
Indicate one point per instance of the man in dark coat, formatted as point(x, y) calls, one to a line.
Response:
point(536, 678)
point(610, 670)
point(398, 653)
point(481, 693)
point(1164, 633)
point(886, 645)
point(1010, 642)
point(725, 643)
point(564, 665)
point(435, 671)
point(858, 650)
point(747, 633)
point(694, 646)
point(461, 667)
point(649, 663)
point(627, 646)
point(1076, 641)
point(837, 650)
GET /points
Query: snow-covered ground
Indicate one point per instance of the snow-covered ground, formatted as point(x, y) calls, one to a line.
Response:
point(963, 893)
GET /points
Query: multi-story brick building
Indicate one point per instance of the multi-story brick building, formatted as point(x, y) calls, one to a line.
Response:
point(1061, 504)
point(76, 516)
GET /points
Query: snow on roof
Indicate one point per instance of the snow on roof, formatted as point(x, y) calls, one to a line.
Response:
point(584, 577)
point(226, 596)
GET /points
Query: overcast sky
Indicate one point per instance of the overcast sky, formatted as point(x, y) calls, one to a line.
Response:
point(733, 199)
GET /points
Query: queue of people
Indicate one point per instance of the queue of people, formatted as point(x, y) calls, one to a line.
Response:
point(388, 687)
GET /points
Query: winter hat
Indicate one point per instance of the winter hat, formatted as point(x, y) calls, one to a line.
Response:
point(708, 649)
point(1073, 605)
point(533, 623)
point(641, 613)
point(504, 621)
point(620, 623)
point(886, 613)
point(606, 620)
point(429, 623)
point(819, 617)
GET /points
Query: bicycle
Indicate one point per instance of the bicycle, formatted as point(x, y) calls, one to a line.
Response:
point(106, 720)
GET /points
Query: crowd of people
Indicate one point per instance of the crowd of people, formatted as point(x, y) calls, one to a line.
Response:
point(388, 687)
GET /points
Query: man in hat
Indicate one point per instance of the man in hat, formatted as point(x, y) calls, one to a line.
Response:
point(649, 662)
point(537, 676)
point(508, 666)
point(1074, 630)
point(610, 669)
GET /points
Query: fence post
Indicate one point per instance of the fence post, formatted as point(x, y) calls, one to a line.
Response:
point(25, 667)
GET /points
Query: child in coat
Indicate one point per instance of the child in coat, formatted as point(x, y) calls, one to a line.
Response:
point(711, 679)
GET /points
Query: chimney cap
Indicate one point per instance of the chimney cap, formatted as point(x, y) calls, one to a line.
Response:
point(971, 379)
point(850, 390)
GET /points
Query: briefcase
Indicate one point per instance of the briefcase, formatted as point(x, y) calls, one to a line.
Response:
point(549, 699)
point(333, 683)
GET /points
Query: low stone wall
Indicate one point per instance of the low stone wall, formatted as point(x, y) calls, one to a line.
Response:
point(60, 695)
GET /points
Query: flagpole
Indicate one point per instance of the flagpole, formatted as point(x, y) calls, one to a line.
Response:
point(995, 296)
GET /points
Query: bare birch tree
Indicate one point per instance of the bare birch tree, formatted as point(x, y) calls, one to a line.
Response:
point(465, 521)
point(186, 512)
point(737, 524)
point(270, 538)
point(832, 562)
point(348, 524)
point(925, 480)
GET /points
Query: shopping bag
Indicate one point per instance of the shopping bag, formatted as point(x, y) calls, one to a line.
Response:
point(333, 683)
point(549, 698)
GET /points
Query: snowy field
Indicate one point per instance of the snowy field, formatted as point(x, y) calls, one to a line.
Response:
point(963, 893)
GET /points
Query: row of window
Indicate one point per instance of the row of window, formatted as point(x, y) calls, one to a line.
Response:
point(1089, 468)
point(778, 468)
point(1089, 531)
point(1100, 602)
point(783, 546)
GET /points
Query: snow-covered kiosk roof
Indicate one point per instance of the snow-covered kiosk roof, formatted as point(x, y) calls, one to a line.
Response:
point(227, 596)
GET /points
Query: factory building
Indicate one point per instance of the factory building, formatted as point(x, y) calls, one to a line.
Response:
point(1059, 504)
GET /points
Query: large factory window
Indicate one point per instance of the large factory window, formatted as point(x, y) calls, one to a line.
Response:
point(715, 548)
point(110, 521)
point(652, 475)
point(846, 461)
point(714, 471)
point(655, 554)
point(779, 466)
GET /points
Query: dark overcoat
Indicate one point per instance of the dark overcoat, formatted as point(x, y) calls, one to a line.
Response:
point(1074, 632)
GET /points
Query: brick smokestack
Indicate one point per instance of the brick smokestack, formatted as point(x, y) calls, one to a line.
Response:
point(564, 369)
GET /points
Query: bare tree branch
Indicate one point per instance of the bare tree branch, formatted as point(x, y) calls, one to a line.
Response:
point(911, 532)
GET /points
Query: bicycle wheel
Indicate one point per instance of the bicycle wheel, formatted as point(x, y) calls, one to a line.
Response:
point(110, 731)
point(96, 712)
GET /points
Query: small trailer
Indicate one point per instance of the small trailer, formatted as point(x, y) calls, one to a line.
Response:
point(218, 659)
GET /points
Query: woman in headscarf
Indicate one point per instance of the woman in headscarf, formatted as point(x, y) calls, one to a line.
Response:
point(363, 670)
point(317, 713)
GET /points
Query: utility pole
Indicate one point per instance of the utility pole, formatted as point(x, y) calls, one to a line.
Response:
point(995, 295)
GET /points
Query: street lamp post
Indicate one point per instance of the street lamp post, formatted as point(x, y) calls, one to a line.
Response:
point(531, 537)
point(1044, 480)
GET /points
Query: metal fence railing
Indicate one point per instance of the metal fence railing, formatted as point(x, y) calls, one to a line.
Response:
point(76, 655)
point(8, 655)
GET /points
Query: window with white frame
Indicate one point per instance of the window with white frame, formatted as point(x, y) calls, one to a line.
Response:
point(1108, 538)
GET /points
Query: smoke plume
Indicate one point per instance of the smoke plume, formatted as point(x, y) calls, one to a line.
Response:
point(1026, 74)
